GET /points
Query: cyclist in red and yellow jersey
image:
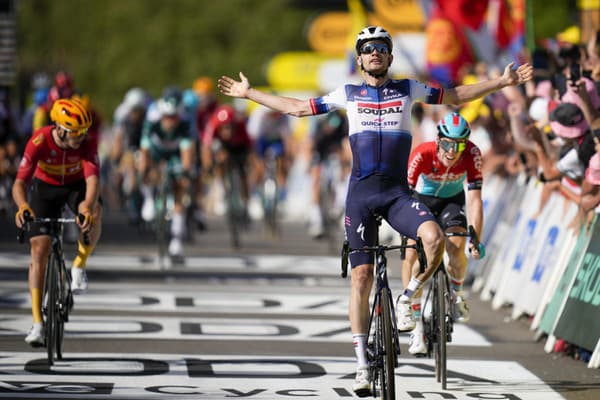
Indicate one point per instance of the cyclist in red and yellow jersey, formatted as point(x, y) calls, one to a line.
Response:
point(60, 166)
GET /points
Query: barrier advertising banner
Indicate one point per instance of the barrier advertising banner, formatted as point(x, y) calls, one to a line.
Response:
point(555, 307)
point(579, 323)
point(544, 253)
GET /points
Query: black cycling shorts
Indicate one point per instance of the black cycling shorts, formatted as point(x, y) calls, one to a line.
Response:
point(380, 195)
point(450, 212)
point(48, 201)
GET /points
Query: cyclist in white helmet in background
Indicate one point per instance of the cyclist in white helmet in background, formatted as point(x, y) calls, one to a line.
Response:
point(168, 139)
point(128, 122)
point(379, 119)
point(437, 171)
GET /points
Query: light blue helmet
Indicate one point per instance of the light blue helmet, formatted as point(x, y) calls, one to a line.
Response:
point(454, 126)
point(190, 99)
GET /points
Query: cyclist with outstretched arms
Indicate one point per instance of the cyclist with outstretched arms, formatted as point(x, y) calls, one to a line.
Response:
point(437, 171)
point(379, 119)
point(60, 165)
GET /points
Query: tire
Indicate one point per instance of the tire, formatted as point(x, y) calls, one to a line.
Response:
point(270, 193)
point(388, 389)
point(234, 205)
point(51, 285)
point(63, 309)
point(161, 221)
point(441, 356)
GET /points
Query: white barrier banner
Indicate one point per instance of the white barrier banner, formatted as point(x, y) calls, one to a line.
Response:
point(512, 261)
point(544, 252)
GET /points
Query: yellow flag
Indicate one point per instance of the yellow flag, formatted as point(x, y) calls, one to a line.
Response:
point(359, 20)
point(358, 15)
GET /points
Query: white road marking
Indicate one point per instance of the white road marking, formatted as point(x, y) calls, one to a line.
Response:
point(224, 329)
point(171, 376)
point(295, 265)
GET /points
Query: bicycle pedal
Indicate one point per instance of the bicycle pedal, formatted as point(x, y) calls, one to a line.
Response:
point(363, 392)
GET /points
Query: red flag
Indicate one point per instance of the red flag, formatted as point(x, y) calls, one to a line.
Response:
point(469, 13)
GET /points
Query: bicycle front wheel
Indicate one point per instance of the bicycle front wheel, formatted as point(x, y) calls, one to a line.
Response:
point(162, 224)
point(270, 193)
point(388, 389)
point(51, 296)
point(62, 308)
point(440, 354)
point(235, 207)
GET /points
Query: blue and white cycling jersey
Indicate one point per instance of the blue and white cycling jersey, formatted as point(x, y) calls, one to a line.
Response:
point(379, 121)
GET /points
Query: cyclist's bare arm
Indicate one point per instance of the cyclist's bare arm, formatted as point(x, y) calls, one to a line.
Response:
point(287, 105)
point(19, 193)
point(475, 214)
point(87, 207)
point(188, 156)
point(510, 77)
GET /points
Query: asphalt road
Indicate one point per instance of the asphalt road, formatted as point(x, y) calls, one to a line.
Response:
point(268, 304)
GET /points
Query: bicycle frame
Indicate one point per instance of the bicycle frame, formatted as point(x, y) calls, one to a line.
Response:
point(384, 344)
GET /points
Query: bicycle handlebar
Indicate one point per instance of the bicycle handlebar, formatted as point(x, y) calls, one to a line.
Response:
point(29, 220)
point(346, 249)
point(471, 234)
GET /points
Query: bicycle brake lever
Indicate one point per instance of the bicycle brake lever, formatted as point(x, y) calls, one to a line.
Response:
point(86, 235)
point(21, 231)
point(421, 255)
point(20, 235)
point(345, 251)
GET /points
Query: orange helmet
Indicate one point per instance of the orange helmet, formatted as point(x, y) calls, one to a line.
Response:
point(203, 85)
point(71, 115)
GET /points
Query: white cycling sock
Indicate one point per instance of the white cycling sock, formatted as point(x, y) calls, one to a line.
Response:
point(360, 348)
point(178, 225)
point(410, 289)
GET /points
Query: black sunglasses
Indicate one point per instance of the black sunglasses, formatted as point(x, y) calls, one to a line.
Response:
point(381, 48)
point(448, 145)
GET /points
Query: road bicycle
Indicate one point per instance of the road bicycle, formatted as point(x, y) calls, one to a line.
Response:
point(383, 346)
point(439, 327)
point(57, 296)
point(164, 208)
point(270, 192)
point(331, 216)
point(232, 181)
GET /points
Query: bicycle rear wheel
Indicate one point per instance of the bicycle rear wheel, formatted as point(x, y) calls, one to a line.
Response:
point(388, 390)
point(442, 334)
point(51, 296)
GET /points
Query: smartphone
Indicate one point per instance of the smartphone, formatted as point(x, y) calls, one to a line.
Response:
point(575, 70)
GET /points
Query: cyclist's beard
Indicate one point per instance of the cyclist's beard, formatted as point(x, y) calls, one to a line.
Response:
point(377, 75)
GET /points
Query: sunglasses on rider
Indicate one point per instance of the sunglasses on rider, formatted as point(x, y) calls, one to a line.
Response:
point(448, 145)
point(381, 48)
point(75, 134)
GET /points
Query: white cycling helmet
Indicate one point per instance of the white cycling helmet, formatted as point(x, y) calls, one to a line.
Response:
point(135, 97)
point(168, 107)
point(372, 33)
